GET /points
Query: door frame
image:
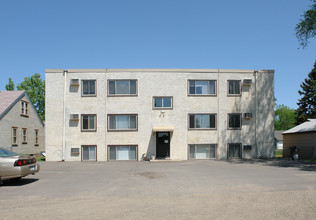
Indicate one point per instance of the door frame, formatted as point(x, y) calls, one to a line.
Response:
point(168, 150)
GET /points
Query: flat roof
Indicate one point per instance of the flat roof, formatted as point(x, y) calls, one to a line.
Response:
point(155, 70)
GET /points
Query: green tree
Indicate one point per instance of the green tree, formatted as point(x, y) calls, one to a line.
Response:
point(284, 117)
point(307, 104)
point(306, 29)
point(35, 89)
point(10, 86)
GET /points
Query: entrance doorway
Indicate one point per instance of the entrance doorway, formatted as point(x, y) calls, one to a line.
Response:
point(162, 144)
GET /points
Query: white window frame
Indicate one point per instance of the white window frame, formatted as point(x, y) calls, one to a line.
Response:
point(24, 136)
point(36, 137)
point(14, 143)
point(24, 108)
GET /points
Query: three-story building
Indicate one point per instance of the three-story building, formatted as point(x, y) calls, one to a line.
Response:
point(120, 114)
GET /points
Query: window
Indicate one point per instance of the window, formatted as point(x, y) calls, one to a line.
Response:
point(202, 87)
point(122, 87)
point(88, 122)
point(89, 88)
point(202, 151)
point(234, 87)
point(122, 122)
point(74, 152)
point(36, 138)
point(24, 108)
point(122, 152)
point(14, 136)
point(234, 150)
point(162, 102)
point(89, 153)
point(202, 121)
point(234, 121)
point(24, 135)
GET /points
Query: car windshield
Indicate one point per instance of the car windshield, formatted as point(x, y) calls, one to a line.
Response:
point(6, 153)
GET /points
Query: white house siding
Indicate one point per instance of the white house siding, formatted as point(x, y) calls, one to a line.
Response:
point(256, 99)
point(13, 118)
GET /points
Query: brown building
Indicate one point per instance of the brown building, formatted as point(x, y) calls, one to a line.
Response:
point(303, 137)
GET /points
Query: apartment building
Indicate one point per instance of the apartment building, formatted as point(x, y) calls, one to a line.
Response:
point(179, 114)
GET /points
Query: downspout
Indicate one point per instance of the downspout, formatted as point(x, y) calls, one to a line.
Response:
point(64, 121)
point(258, 152)
point(218, 118)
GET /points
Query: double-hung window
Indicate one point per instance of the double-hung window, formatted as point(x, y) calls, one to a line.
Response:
point(36, 137)
point(234, 121)
point(122, 87)
point(122, 122)
point(24, 135)
point(14, 136)
point(88, 122)
point(162, 102)
point(88, 88)
point(202, 87)
point(234, 87)
point(24, 108)
point(202, 121)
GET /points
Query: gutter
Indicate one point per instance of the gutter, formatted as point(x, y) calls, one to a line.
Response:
point(64, 121)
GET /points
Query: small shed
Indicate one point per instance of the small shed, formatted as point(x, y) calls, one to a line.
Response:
point(303, 137)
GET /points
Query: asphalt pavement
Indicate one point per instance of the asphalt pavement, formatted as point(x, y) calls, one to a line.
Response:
point(205, 189)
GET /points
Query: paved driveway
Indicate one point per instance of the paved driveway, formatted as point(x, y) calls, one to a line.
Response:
point(255, 189)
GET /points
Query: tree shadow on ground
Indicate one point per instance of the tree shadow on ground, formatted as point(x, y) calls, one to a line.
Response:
point(20, 182)
point(279, 162)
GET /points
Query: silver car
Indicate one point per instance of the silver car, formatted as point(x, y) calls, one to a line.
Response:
point(13, 166)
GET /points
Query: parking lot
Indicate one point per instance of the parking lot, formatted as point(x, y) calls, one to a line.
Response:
point(254, 189)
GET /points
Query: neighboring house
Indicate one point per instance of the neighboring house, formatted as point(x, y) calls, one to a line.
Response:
point(120, 114)
point(278, 139)
point(303, 137)
point(21, 129)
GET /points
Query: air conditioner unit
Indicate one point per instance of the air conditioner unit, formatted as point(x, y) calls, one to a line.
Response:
point(74, 82)
point(247, 115)
point(247, 147)
point(247, 82)
point(74, 117)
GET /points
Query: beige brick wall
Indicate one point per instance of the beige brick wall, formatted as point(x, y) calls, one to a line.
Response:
point(257, 131)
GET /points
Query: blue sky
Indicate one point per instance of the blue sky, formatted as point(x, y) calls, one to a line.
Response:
point(209, 34)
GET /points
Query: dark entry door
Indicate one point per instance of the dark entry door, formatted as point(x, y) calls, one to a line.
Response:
point(162, 144)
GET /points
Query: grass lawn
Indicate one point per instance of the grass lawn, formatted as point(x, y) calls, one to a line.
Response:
point(278, 153)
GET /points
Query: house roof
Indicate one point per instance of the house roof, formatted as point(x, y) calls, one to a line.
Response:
point(278, 134)
point(8, 100)
point(308, 126)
